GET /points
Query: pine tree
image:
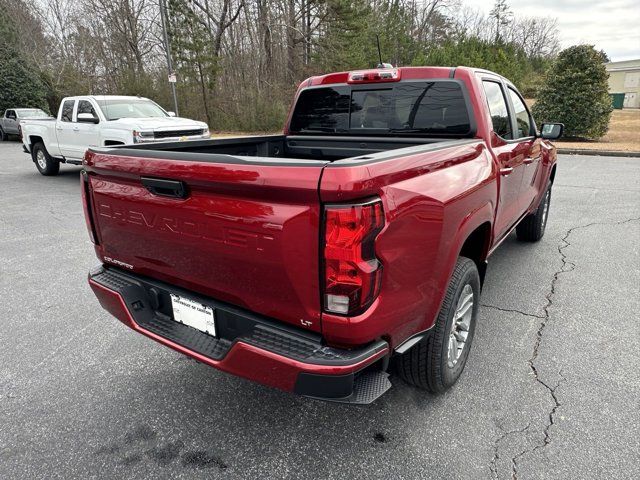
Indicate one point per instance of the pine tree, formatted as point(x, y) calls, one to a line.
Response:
point(20, 82)
point(503, 58)
point(502, 16)
point(575, 92)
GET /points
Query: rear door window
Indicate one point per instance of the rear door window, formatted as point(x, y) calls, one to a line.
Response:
point(497, 104)
point(523, 119)
point(67, 110)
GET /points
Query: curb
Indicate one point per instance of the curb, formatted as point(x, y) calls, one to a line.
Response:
point(602, 153)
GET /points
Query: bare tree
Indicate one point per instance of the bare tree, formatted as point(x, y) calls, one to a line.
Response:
point(502, 17)
point(233, 53)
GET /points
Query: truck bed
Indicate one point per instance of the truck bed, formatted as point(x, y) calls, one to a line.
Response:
point(301, 147)
point(35, 121)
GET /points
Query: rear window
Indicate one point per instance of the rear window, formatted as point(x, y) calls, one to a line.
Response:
point(67, 110)
point(430, 108)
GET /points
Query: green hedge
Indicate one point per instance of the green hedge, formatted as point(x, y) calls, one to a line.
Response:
point(575, 92)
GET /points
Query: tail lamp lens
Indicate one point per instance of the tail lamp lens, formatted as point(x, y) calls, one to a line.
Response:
point(352, 271)
point(86, 198)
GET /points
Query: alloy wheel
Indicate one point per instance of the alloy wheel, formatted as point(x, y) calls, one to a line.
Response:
point(545, 208)
point(460, 326)
point(41, 159)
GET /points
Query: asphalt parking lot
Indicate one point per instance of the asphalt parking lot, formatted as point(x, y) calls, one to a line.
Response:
point(551, 390)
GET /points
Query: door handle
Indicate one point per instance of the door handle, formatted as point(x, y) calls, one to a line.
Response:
point(58, 128)
point(506, 171)
point(166, 188)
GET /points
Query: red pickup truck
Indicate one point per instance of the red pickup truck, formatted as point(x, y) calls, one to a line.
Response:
point(311, 260)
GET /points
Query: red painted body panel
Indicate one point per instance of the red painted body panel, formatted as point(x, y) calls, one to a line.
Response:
point(429, 200)
point(249, 234)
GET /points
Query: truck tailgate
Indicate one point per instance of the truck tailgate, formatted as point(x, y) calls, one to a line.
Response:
point(246, 231)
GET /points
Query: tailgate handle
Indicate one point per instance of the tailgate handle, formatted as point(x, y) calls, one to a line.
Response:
point(165, 188)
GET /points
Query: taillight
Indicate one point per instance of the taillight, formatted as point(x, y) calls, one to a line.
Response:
point(352, 273)
point(86, 198)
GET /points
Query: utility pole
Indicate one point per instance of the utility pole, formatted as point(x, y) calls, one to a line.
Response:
point(172, 76)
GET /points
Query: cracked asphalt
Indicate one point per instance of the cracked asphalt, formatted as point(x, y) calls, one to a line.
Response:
point(552, 388)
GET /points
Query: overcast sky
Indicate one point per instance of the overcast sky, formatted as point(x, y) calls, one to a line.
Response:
point(613, 25)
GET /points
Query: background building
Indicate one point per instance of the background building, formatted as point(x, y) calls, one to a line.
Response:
point(624, 83)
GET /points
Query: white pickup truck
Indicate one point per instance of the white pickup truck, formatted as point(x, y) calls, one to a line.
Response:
point(10, 121)
point(97, 121)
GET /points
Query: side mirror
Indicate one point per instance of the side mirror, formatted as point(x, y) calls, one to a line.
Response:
point(551, 131)
point(171, 114)
point(87, 118)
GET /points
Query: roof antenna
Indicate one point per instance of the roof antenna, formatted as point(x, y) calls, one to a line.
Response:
point(381, 64)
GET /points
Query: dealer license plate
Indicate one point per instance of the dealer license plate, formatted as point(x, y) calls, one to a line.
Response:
point(193, 314)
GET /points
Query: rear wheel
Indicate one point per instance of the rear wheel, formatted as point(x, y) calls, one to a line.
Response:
point(437, 362)
point(45, 163)
point(532, 227)
point(3, 136)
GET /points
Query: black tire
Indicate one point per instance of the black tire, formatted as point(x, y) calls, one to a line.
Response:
point(46, 165)
point(3, 136)
point(532, 227)
point(427, 364)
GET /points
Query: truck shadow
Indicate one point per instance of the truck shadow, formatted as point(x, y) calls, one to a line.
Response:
point(69, 174)
point(223, 419)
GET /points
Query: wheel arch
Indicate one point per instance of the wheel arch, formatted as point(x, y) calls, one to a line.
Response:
point(476, 247)
point(33, 140)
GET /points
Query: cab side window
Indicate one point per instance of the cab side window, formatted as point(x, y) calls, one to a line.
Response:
point(84, 106)
point(523, 119)
point(67, 110)
point(11, 114)
point(497, 104)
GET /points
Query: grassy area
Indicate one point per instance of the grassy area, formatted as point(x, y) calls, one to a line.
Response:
point(623, 135)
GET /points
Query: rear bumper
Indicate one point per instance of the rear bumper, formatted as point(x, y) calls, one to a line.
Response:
point(247, 344)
